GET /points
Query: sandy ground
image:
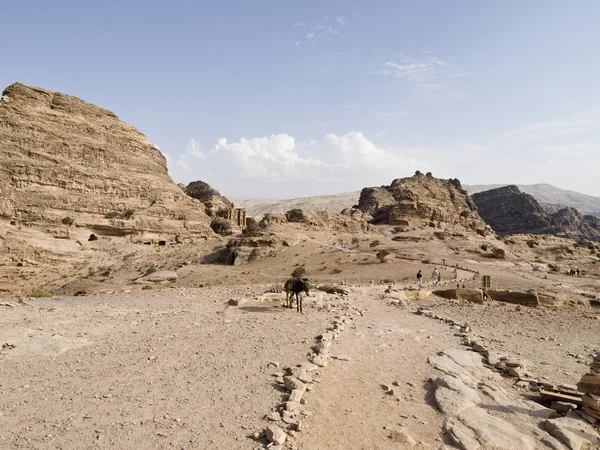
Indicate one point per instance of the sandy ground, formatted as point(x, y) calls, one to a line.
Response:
point(180, 369)
point(175, 367)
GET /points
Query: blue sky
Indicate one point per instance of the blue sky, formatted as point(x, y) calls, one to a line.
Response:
point(297, 98)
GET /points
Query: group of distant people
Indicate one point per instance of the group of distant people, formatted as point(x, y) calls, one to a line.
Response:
point(436, 277)
point(574, 272)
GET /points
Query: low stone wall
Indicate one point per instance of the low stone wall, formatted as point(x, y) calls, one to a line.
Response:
point(519, 298)
point(470, 295)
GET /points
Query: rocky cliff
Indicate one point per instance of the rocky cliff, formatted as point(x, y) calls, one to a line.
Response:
point(421, 200)
point(509, 211)
point(64, 158)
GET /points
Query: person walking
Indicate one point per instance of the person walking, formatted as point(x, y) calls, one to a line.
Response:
point(435, 276)
point(420, 278)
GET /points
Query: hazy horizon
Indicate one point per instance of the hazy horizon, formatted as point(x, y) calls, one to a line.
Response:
point(282, 100)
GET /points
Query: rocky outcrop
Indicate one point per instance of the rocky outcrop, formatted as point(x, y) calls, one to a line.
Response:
point(509, 211)
point(61, 156)
point(421, 200)
point(374, 198)
point(350, 221)
point(245, 250)
point(216, 205)
point(323, 220)
point(570, 223)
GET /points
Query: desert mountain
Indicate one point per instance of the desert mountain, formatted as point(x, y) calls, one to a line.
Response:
point(550, 197)
point(63, 159)
point(509, 211)
point(421, 200)
point(258, 207)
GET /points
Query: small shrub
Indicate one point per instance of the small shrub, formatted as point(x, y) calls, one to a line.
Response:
point(299, 272)
point(128, 214)
point(68, 221)
point(484, 247)
point(91, 272)
point(146, 288)
point(150, 270)
point(336, 271)
point(498, 253)
point(221, 226)
point(111, 215)
point(381, 254)
point(355, 241)
point(374, 243)
point(39, 293)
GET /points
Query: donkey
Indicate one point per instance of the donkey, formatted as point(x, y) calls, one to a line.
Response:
point(295, 286)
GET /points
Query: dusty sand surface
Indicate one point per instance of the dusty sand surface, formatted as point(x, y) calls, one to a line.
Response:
point(181, 369)
point(176, 367)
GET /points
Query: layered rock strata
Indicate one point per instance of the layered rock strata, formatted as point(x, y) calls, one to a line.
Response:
point(65, 158)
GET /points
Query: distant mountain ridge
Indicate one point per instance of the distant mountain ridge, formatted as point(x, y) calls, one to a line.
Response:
point(257, 207)
point(551, 198)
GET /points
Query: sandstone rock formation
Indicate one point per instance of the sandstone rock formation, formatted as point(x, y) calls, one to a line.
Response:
point(421, 200)
point(215, 203)
point(509, 211)
point(354, 222)
point(65, 158)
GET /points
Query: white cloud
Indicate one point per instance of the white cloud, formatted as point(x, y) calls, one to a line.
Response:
point(313, 31)
point(193, 148)
point(416, 68)
point(350, 160)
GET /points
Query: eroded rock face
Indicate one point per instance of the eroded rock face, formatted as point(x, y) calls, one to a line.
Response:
point(215, 203)
point(421, 199)
point(373, 198)
point(62, 155)
point(509, 211)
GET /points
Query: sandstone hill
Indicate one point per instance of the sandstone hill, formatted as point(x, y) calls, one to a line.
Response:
point(65, 160)
point(509, 211)
point(422, 200)
point(550, 197)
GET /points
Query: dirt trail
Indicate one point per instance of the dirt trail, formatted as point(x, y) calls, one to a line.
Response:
point(387, 345)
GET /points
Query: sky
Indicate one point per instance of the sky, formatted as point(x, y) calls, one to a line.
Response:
point(299, 98)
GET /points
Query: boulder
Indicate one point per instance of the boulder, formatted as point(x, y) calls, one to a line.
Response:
point(275, 435)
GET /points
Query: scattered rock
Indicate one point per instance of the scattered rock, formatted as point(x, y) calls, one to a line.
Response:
point(275, 435)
